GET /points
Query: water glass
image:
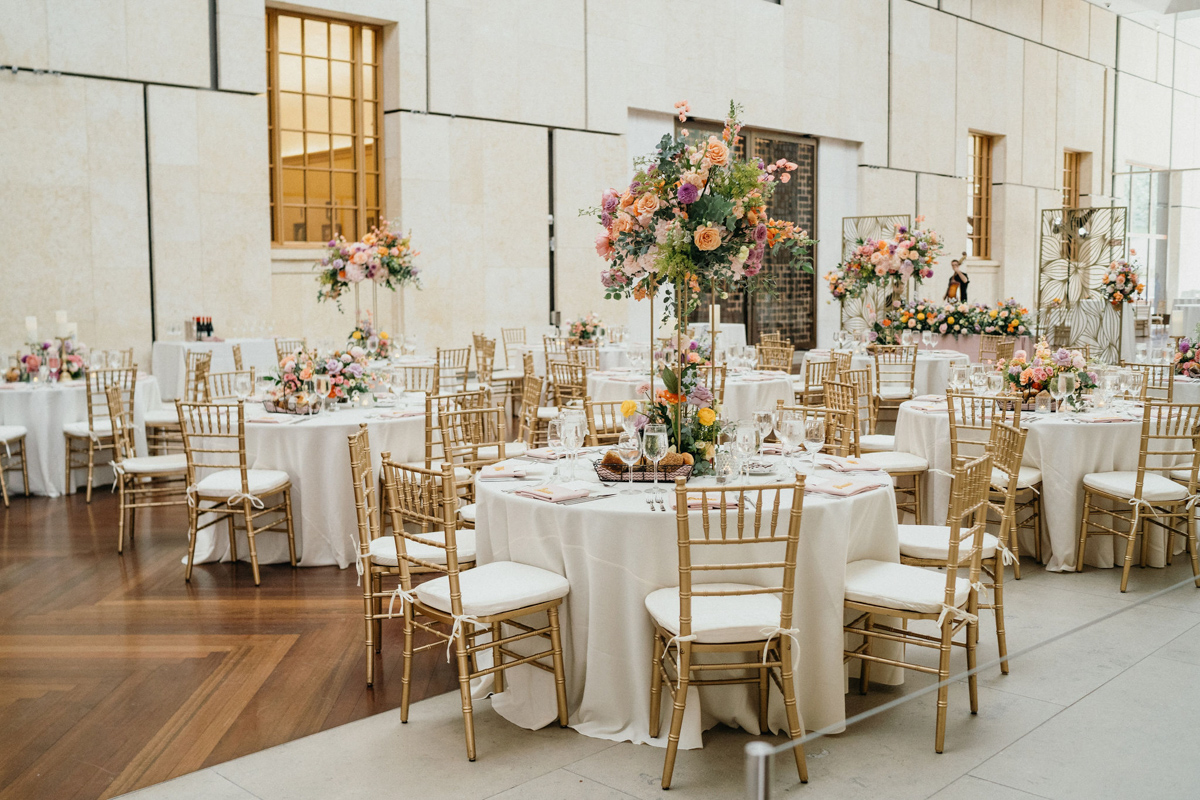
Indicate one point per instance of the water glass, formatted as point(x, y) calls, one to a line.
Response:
point(629, 450)
point(766, 423)
point(1066, 386)
point(745, 443)
point(554, 440)
point(979, 382)
point(241, 386)
point(814, 438)
point(654, 446)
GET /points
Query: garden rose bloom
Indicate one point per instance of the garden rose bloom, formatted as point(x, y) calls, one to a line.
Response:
point(693, 177)
point(646, 205)
point(716, 152)
point(706, 416)
point(624, 223)
point(609, 201)
point(707, 238)
point(604, 246)
point(760, 233)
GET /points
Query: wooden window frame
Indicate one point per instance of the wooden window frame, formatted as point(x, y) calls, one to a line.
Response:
point(1070, 178)
point(358, 136)
point(981, 147)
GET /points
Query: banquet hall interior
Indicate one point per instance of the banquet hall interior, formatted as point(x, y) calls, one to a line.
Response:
point(594, 398)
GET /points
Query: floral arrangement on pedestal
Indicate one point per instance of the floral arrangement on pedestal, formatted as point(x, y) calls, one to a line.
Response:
point(1007, 318)
point(377, 344)
point(1028, 377)
point(685, 405)
point(587, 328)
point(381, 256)
point(1187, 357)
point(908, 255)
point(695, 219)
point(1121, 283)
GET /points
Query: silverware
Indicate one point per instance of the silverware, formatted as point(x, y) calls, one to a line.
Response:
point(661, 505)
point(588, 499)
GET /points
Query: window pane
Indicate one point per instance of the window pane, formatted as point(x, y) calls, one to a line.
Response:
point(368, 82)
point(291, 149)
point(340, 79)
point(291, 111)
point(339, 41)
point(320, 222)
point(293, 225)
point(368, 51)
point(316, 34)
point(289, 74)
point(369, 119)
point(347, 223)
point(343, 116)
point(343, 188)
point(372, 190)
point(372, 218)
point(318, 150)
point(293, 186)
point(369, 155)
point(316, 186)
point(289, 34)
point(316, 75)
point(343, 152)
point(316, 115)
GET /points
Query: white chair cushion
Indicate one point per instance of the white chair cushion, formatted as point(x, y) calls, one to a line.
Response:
point(547, 412)
point(496, 588)
point(461, 474)
point(103, 428)
point(508, 375)
point(876, 443)
point(383, 549)
point(226, 482)
point(511, 450)
point(899, 586)
point(933, 542)
point(896, 461)
point(716, 620)
point(161, 416)
point(1182, 475)
point(1155, 488)
point(467, 512)
point(10, 433)
point(895, 392)
point(1026, 477)
point(152, 465)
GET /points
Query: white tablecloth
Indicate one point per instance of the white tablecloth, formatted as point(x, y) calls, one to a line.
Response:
point(744, 394)
point(932, 373)
point(1190, 314)
point(611, 356)
point(315, 454)
point(43, 412)
point(1065, 451)
point(729, 334)
point(170, 360)
point(1187, 390)
point(614, 552)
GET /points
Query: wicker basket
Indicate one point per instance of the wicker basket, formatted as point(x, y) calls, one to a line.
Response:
point(281, 408)
point(641, 474)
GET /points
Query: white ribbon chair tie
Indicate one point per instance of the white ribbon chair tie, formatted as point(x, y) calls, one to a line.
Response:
point(771, 633)
point(955, 613)
point(675, 640)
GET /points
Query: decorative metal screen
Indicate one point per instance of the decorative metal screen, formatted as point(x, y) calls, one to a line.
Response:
point(1078, 244)
point(859, 313)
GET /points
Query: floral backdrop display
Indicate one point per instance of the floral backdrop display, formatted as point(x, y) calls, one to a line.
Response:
point(1006, 318)
point(1121, 284)
point(907, 256)
point(1187, 355)
point(695, 220)
point(382, 257)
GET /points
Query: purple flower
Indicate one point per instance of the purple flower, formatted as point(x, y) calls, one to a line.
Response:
point(694, 345)
point(606, 219)
point(687, 194)
point(606, 279)
point(640, 421)
point(1091, 377)
point(701, 396)
point(1062, 358)
point(356, 370)
point(1184, 345)
point(760, 233)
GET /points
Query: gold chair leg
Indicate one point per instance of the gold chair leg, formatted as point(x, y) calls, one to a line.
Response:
point(369, 619)
point(560, 677)
point(656, 687)
point(406, 663)
point(681, 692)
point(464, 688)
point(1083, 530)
point(291, 533)
point(943, 696)
point(120, 514)
point(67, 477)
point(24, 469)
point(193, 521)
point(998, 610)
point(1011, 540)
point(1039, 528)
point(3, 485)
point(864, 665)
point(91, 467)
point(795, 729)
point(972, 643)
point(1129, 547)
point(251, 543)
point(917, 498)
point(764, 700)
point(498, 659)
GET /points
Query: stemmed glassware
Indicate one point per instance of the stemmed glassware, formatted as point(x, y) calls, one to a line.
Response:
point(554, 440)
point(814, 438)
point(995, 383)
point(572, 432)
point(979, 382)
point(629, 450)
point(766, 423)
point(654, 445)
point(745, 443)
point(241, 386)
point(790, 430)
point(1066, 387)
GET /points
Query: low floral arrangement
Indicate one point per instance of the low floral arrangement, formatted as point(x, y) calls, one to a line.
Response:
point(1008, 318)
point(684, 403)
point(381, 256)
point(377, 344)
point(910, 253)
point(30, 364)
point(587, 328)
point(1121, 283)
point(348, 373)
point(1028, 377)
point(1187, 358)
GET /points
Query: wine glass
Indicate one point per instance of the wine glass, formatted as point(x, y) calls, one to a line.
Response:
point(766, 423)
point(745, 443)
point(654, 445)
point(1066, 385)
point(906, 337)
point(1124, 381)
point(814, 437)
point(115, 360)
point(979, 382)
point(790, 431)
point(629, 450)
point(927, 339)
point(572, 432)
point(995, 382)
point(241, 386)
point(323, 386)
point(554, 440)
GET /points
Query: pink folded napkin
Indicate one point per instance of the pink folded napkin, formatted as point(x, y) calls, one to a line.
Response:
point(500, 471)
point(932, 398)
point(274, 419)
point(1105, 419)
point(771, 448)
point(697, 500)
point(553, 493)
point(13, 385)
point(757, 377)
point(850, 464)
point(545, 454)
point(926, 407)
point(414, 412)
point(841, 487)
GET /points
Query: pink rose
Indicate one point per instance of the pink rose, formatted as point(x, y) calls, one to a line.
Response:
point(604, 246)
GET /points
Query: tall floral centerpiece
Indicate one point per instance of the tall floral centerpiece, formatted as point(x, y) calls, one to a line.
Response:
point(908, 255)
point(695, 220)
point(382, 257)
point(1030, 376)
point(1121, 284)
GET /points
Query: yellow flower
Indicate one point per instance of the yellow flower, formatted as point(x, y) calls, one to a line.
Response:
point(383, 335)
point(707, 416)
point(993, 313)
point(357, 335)
point(629, 408)
point(951, 320)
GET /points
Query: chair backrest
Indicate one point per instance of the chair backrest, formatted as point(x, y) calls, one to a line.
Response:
point(841, 361)
point(971, 418)
point(420, 378)
point(223, 385)
point(967, 519)
point(98, 381)
point(288, 347)
point(485, 359)
point(531, 398)
point(729, 540)
point(843, 399)
point(199, 363)
point(775, 357)
point(839, 435)
point(237, 357)
point(1004, 349)
point(555, 346)
point(366, 500)
point(1060, 336)
point(1158, 381)
point(438, 404)
point(1006, 446)
point(988, 342)
point(425, 500)
point(1170, 441)
point(453, 365)
point(214, 437)
point(465, 432)
point(605, 422)
point(121, 417)
point(584, 355)
point(860, 379)
point(569, 382)
point(511, 336)
point(715, 382)
point(771, 338)
point(895, 371)
point(816, 372)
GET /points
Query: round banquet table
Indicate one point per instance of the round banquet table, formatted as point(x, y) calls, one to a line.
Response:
point(1065, 448)
point(615, 551)
point(1187, 390)
point(611, 356)
point(170, 360)
point(745, 392)
point(43, 409)
point(314, 453)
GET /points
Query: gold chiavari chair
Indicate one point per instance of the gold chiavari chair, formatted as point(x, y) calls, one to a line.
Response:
point(420, 378)
point(715, 383)
point(569, 383)
point(775, 357)
point(237, 357)
point(162, 424)
point(1170, 445)
point(288, 347)
point(771, 338)
point(377, 552)
point(503, 382)
point(1158, 382)
point(895, 375)
point(868, 440)
point(1004, 349)
point(555, 348)
point(142, 482)
point(901, 466)
point(214, 439)
point(87, 437)
point(705, 620)
point(460, 605)
point(886, 589)
point(988, 346)
point(929, 545)
point(584, 355)
point(531, 427)
point(473, 438)
point(435, 406)
point(511, 337)
point(816, 372)
point(223, 385)
point(841, 361)
point(605, 422)
point(839, 436)
point(453, 364)
point(12, 457)
point(1060, 335)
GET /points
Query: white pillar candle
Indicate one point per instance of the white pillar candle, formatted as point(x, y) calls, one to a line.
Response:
point(31, 327)
point(72, 330)
point(716, 320)
point(1177, 324)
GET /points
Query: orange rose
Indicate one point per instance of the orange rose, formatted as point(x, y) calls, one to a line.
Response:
point(646, 205)
point(623, 224)
point(626, 200)
point(707, 238)
point(717, 152)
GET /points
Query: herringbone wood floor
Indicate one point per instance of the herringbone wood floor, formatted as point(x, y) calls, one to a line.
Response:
point(115, 674)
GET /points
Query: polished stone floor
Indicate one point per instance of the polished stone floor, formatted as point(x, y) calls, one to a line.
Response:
point(1109, 711)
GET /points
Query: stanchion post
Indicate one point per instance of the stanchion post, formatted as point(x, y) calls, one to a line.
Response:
point(760, 760)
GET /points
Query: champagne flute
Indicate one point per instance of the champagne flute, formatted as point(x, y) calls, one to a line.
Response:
point(979, 382)
point(654, 445)
point(1124, 380)
point(572, 432)
point(995, 383)
point(629, 450)
point(766, 423)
